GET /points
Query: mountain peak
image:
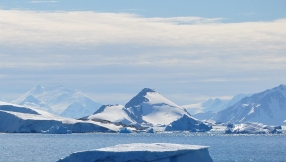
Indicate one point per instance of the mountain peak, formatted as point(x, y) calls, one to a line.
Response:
point(140, 97)
point(282, 87)
point(38, 86)
point(145, 90)
point(37, 89)
point(102, 108)
point(31, 98)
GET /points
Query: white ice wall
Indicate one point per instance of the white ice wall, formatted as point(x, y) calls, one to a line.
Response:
point(139, 152)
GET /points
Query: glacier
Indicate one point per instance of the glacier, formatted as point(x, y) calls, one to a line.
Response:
point(20, 119)
point(142, 152)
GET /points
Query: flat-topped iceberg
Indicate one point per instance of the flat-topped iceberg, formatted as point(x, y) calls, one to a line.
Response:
point(251, 128)
point(139, 152)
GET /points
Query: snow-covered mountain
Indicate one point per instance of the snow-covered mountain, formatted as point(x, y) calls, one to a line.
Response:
point(148, 108)
point(213, 105)
point(207, 109)
point(31, 101)
point(268, 107)
point(235, 99)
point(20, 119)
point(58, 100)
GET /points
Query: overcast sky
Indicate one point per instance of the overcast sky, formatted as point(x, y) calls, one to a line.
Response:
point(188, 51)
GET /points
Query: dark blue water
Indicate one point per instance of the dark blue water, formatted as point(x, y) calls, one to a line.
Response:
point(49, 148)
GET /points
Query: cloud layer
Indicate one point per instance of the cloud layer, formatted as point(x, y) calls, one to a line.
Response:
point(113, 49)
point(30, 27)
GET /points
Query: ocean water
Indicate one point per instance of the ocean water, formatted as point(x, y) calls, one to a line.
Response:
point(223, 148)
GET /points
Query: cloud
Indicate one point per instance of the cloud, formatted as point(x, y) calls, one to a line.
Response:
point(186, 20)
point(123, 53)
point(30, 27)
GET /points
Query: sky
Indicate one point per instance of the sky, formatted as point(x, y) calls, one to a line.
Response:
point(188, 51)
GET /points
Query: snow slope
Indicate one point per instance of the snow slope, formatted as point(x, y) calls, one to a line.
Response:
point(19, 119)
point(142, 152)
point(112, 113)
point(268, 107)
point(59, 100)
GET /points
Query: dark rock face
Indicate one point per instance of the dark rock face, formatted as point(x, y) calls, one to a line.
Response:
point(188, 123)
point(101, 109)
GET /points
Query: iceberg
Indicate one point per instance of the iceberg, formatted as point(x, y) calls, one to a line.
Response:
point(140, 152)
point(125, 130)
point(150, 130)
point(251, 128)
point(57, 130)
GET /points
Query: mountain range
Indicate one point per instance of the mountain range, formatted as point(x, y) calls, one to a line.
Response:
point(58, 100)
point(208, 108)
point(267, 107)
point(150, 109)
